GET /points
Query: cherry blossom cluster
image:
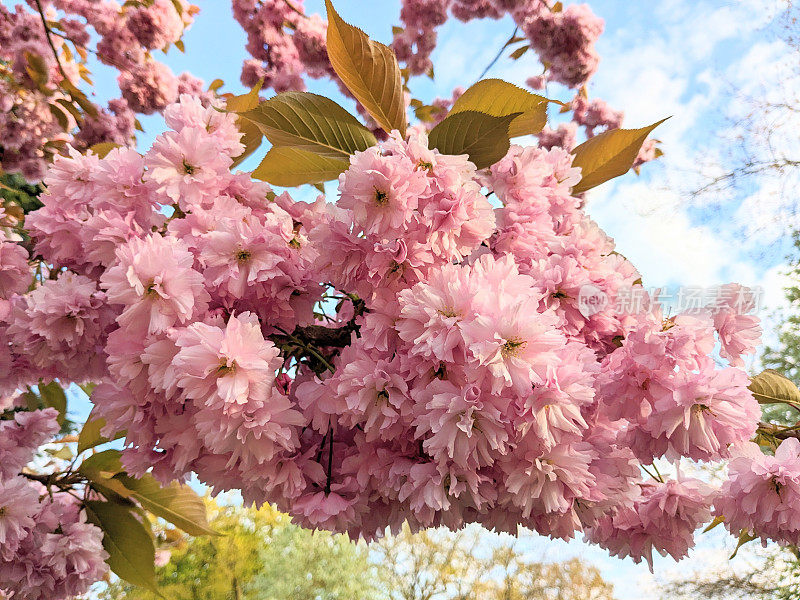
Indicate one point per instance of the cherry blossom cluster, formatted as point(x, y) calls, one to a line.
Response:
point(417, 349)
point(563, 39)
point(284, 42)
point(47, 549)
point(43, 50)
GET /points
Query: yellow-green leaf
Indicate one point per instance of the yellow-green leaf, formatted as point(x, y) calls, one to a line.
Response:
point(90, 435)
point(312, 123)
point(483, 137)
point(744, 537)
point(131, 554)
point(69, 107)
point(251, 139)
point(79, 97)
point(215, 85)
point(53, 396)
point(106, 463)
point(369, 70)
point(245, 102)
point(608, 155)
point(37, 68)
point(770, 387)
point(103, 148)
point(176, 503)
point(289, 167)
point(717, 520)
point(499, 98)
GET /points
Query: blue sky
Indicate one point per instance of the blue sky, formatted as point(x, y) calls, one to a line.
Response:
point(671, 57)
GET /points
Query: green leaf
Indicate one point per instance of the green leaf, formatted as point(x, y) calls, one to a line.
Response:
point(369, 70)
point(483, 137)
point(499, 98)
point(289, 167)
point(131, 554)
point(176, 503)
point(79, 97)
point(53, 396)
point(180, 46)
point(245, 102)
point(68, 106)
point(608, 155)
point(60, 115)
point(106, 463)
point(90, 435)
point(770, 387)
point(312, 123)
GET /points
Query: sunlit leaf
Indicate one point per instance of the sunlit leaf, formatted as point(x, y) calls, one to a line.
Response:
point(770, 387)
point(312, 123)
point(79, 97)
point(36, 68)
point(369, 70)
point(608, 155)
point(499, 98)
point(176, 503)
point(717, 520)
point(289, 167)
point(483, 137)
point(251, 139)
point(106, 462)
point(131, 554)
point(744, 537)
point(90, 435)
point(516, 54)
point(245, 102)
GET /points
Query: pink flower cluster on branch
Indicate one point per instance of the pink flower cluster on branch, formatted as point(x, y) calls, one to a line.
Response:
point(47, 549)
point(408, 353)
point(43, 56)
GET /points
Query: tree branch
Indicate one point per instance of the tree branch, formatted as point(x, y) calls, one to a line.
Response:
point(47, 33)
point(499, 54)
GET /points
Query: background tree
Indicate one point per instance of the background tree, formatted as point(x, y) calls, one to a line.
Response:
point(470, 564)
point(259, 555)
point(759, 149)
point(774, 572)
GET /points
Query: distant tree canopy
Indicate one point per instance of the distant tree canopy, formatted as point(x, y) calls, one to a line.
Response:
point(261, 555)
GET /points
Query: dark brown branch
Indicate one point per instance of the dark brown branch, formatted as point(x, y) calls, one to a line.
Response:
point(64, 482)
point(778, 431)
point(310, 339)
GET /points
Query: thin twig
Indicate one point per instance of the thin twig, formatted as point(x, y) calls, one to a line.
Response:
point(295, 9)
point(499, 54)
point(47, 33)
